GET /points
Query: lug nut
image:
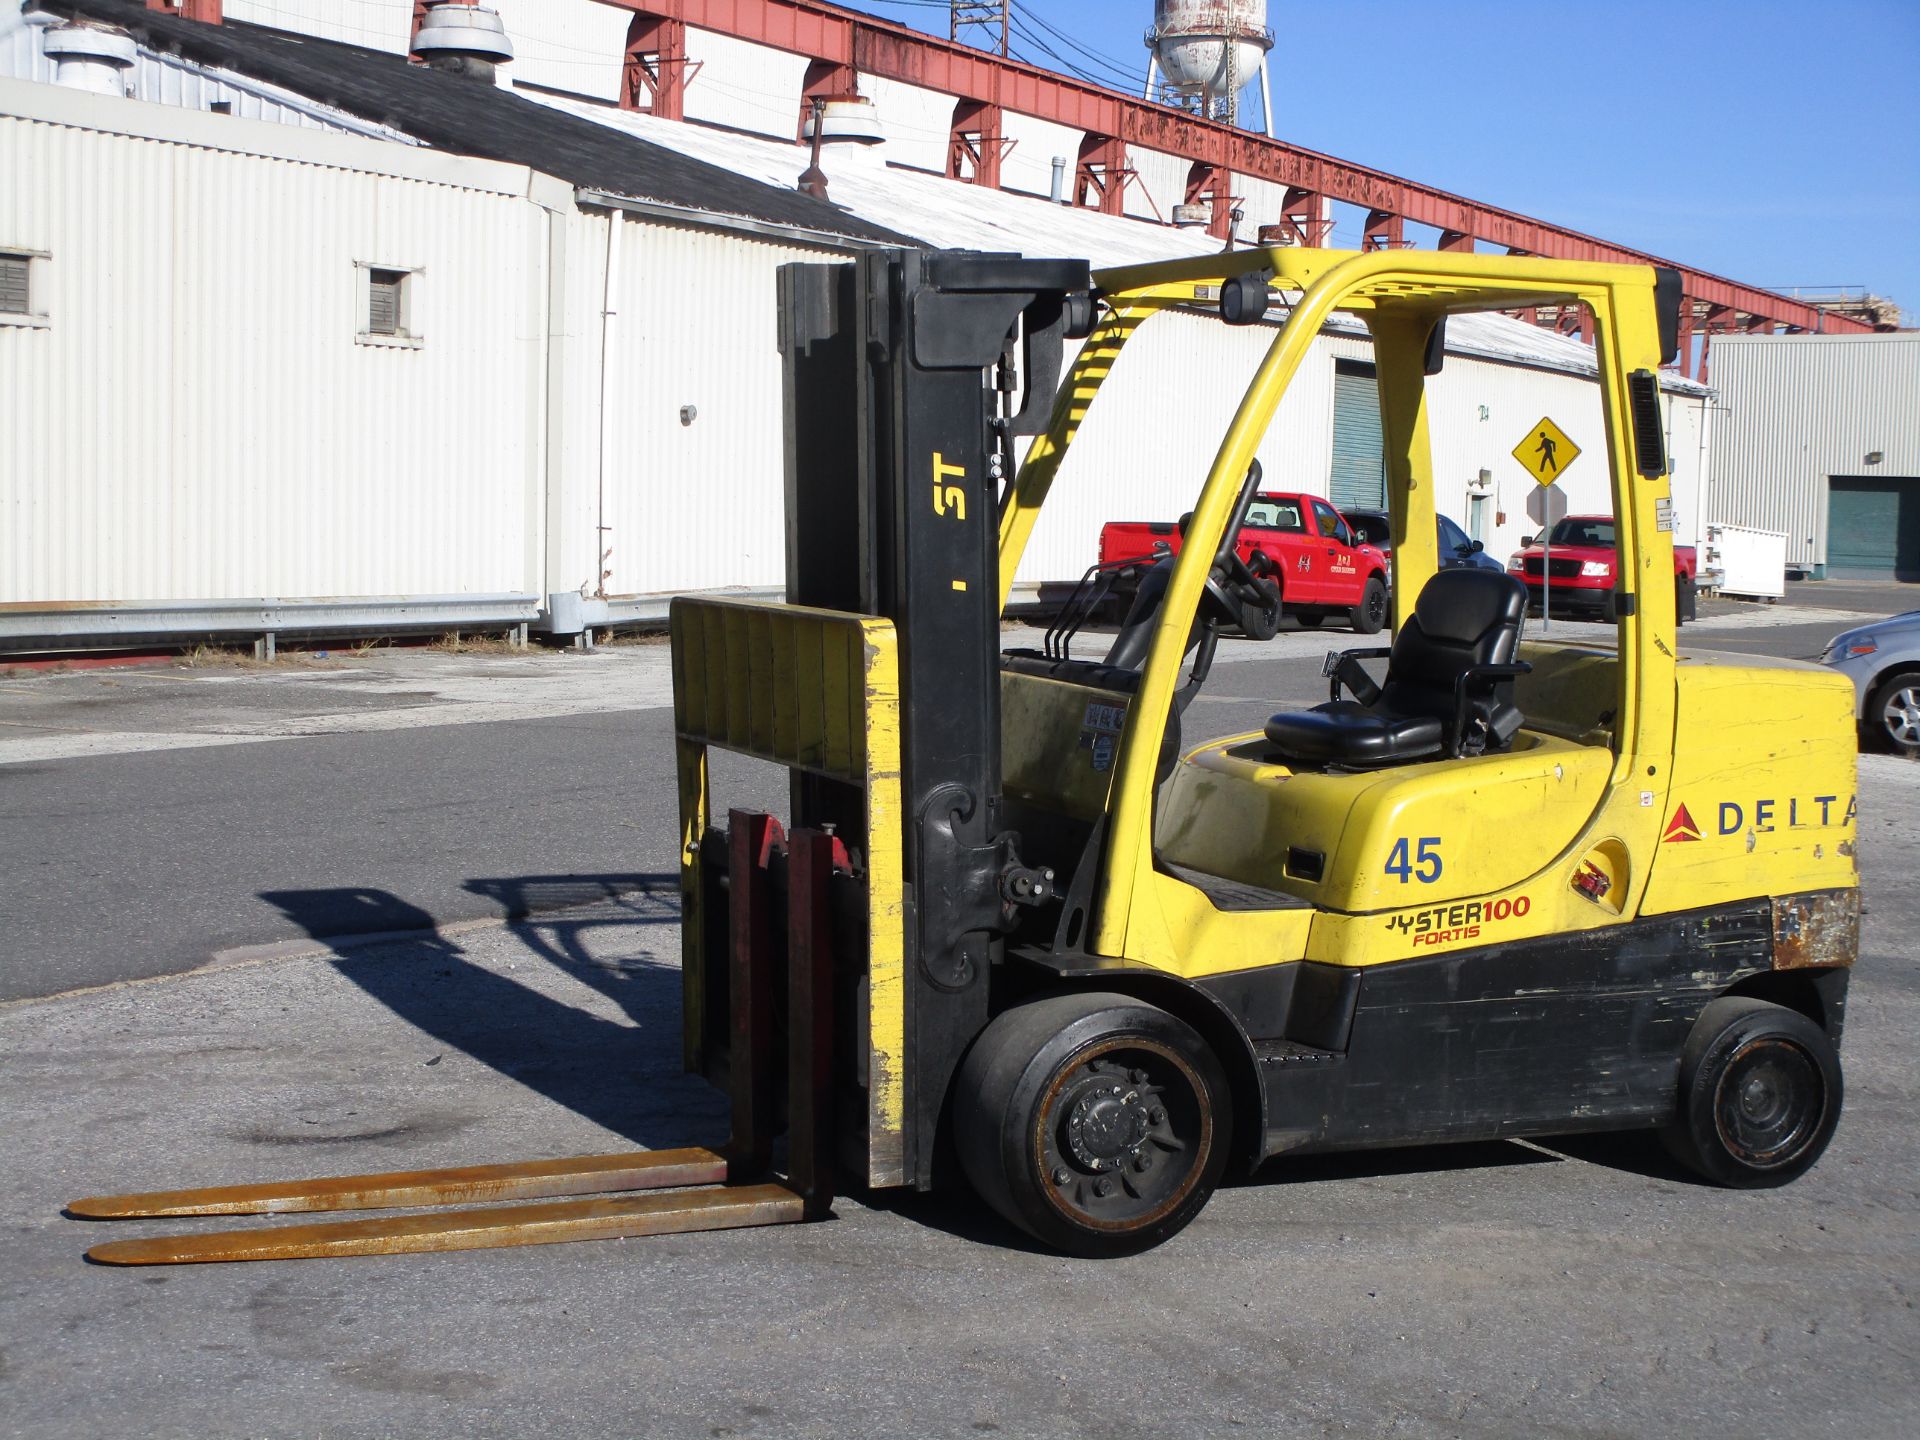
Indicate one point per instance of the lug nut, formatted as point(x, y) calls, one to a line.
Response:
point(1060, 1175)
point(1103, 1186)
point(1158, 1115)
point(1139, 1077)
point(1143, 1164)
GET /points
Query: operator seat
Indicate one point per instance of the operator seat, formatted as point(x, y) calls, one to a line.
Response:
point(1449, 685)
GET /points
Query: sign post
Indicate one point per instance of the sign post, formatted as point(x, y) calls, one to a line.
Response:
point(1545, 453)
point(1547, 507)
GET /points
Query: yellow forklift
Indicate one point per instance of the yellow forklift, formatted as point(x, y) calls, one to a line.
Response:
point(1013, 929)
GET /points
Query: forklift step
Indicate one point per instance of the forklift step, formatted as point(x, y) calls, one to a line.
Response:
point(403, 1189)
point(681, 1212)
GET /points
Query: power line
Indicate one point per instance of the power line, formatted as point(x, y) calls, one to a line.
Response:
point(1132, 75)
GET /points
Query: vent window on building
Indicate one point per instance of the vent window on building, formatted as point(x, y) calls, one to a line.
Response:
point(18, 282)
point(387, 306)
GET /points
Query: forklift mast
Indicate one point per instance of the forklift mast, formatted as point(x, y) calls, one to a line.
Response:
point(905, 377)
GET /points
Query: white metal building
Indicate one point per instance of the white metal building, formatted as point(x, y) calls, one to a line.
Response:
point(1819, 438)
point(273, 375)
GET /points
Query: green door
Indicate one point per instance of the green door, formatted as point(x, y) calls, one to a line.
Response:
point(1873, 528)
point(1359, 476)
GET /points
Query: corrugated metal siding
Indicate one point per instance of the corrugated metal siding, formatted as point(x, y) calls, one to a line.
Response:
point(378, 24)
point(700, 505)
point(574, 45)
point(1028, 165)
point(1156, 426)
point(1799, 409)
point(236, 441)
point(170, 80)
point(917, 122)
point(21, 55)
point(753, 87)
point(1159, 183)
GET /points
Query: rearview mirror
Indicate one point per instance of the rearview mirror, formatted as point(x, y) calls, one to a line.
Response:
point(1474, 547)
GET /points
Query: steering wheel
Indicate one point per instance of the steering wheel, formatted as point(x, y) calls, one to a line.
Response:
point(1232, 587)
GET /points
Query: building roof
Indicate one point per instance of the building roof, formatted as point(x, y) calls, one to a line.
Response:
point(468, 117)
point(941, 212)
point(604, 151)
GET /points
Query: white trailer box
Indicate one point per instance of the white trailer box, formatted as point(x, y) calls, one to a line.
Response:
point(1746, 561)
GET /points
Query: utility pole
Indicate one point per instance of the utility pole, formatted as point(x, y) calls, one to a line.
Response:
point(988, 15)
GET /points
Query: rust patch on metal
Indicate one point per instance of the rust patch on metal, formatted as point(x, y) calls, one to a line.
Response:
point(1818, 929)
point(468, 1184)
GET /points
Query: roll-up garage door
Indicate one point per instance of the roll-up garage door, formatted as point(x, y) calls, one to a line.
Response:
point(1359, 457)
point(1873, 527)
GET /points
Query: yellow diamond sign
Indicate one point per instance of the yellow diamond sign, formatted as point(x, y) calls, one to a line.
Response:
point(1546, 452)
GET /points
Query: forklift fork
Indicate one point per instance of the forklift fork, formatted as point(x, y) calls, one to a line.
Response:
point(729, 1188)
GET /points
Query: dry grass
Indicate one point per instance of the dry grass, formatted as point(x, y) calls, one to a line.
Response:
point(489, 643)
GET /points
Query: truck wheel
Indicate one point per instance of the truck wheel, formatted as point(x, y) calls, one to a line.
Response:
point(1893, 713)
point(1370, 614)
point(1096, 1123)
point(1262, 621)
point(1760, 1095)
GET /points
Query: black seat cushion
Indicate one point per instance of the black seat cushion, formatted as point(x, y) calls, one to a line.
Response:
point(1463, 618)
point(1349, 733)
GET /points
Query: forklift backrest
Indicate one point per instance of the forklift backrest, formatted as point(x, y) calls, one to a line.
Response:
point(1462, 618)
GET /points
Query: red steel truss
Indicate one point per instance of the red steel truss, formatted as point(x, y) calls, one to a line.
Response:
point(846, 40)
point(843, 44)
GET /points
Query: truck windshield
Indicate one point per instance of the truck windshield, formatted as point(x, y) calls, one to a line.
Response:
point(1584, 532)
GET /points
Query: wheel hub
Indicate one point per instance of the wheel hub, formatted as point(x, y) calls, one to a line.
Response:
point(1770, 1103)
point(1903, 715)
point(1108, 1124)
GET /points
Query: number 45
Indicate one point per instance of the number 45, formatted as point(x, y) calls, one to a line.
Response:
point(1425, 864)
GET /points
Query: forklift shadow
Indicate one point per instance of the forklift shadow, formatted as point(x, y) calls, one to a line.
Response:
point(1408, 1160)
point(1635, 1152)
point(621, 1074)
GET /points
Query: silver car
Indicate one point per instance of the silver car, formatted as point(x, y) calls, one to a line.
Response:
point(1883, 661)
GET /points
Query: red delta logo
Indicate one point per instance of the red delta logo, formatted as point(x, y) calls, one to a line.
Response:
point(1763, 816)
point(1681, 827)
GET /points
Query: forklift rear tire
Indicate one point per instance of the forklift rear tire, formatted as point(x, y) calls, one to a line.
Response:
point(1095, 1122)
point(1760, 1094)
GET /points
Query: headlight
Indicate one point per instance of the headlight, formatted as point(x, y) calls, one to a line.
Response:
point(1595, 568)
point(1842, 648)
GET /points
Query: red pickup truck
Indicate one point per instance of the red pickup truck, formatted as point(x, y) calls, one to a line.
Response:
point(1298, 543)
point(1580, 562)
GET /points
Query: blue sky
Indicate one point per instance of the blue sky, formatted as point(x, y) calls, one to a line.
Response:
point(1777, 144)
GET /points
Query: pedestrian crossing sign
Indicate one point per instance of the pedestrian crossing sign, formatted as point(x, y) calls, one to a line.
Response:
point(1546, 452)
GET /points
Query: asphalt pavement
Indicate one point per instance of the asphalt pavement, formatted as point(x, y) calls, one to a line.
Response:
point(173, 840)
point(156, 820)
point(1578, 1288)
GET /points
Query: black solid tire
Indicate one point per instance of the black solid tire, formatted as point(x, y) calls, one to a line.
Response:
point(1877, 723)
point(1760, 1095)
point(1047, 1098)
point(1370, 615)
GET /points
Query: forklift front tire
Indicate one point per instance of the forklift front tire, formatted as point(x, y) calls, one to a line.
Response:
point(1095, 1122)
point(1760, 1095)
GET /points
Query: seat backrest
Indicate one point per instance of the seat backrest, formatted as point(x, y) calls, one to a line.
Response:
point(1462, 618)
